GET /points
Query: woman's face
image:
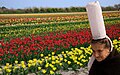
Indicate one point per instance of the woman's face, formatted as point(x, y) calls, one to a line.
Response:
point(99, 51)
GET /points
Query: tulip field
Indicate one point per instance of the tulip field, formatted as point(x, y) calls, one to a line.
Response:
point(45, 44)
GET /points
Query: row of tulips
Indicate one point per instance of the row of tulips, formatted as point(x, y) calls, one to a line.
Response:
point(29, 47)
point(42, 20)
point(52, 19)
point(116, 43)
point(19, 31)
point(53, 62)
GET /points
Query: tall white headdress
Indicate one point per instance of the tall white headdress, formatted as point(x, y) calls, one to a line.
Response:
point(96, 20)
point(96, 24)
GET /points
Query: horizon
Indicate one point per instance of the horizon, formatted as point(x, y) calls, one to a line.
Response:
point(15, 4)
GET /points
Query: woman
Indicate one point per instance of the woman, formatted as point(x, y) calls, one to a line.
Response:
point(107, 60)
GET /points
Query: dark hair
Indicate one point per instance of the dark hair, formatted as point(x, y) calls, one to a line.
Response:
point(102, 41)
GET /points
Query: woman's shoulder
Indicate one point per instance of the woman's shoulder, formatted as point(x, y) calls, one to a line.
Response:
point(115, 55)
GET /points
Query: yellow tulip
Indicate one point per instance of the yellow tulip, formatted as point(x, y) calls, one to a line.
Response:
point(15, 67)
point(51, 65)
point(46, 57)
point(44, 71)
point(79, 58)
point(53, 53)
point(33, 64)
point(57, 61)
point(7, 64)
point(53, 62)
point(35, 60)
point(62, 52)
point(39, 68)
point(39, 61)
point(29, 65)
point(65, 55)
point(41, 55)
point(8, 70)
point(16, 62)
point(22, 62)
point(81, 64)
point(19, 65)
point(66, 51)
point(23, 66)
point(69, 62)
point(115, 41)
point(54, 68)
point(47, 65)
point(51, 72)
point(116, 46)
point(0, 69)
point(60, 64)
point(61, 59)
point(30, 61)
point(78, 62)
point(57, 57)
point(53, 58)
point(10, 66)
point(65, 60)
point(43, 60)
point(75, 61)
point(49, 55)
point(5, 67)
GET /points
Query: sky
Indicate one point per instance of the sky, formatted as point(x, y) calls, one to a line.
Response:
point(21, 4)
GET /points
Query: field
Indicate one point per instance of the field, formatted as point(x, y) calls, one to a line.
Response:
point(45, 44)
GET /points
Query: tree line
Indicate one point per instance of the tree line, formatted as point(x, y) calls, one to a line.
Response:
point(5, 10)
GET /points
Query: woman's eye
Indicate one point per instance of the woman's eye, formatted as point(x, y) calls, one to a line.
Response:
point(99, 51)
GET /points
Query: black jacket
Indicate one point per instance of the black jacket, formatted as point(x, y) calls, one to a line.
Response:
point(109, 66)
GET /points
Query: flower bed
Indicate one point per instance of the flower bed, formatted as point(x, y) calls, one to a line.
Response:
point(52, 63)
point(27, 48)
point(20, 31)
point(49, 48)
point(35, 19)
